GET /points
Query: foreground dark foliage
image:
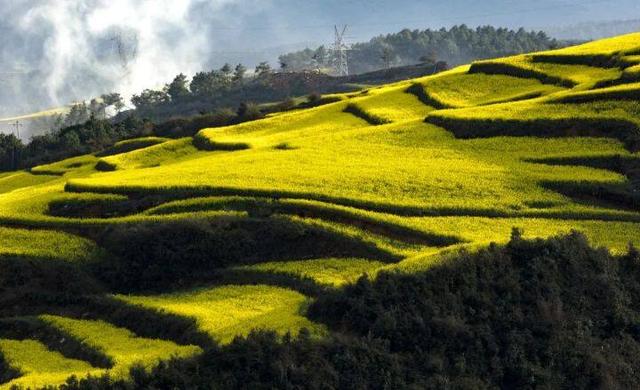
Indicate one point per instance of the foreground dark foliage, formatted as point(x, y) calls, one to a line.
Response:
point(534, 314)
point(38, 283)
point(156, 256)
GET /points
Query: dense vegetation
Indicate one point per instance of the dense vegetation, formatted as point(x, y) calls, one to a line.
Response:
point(458, 45)
point(179, 243)
point(94, 134)
point(543, 313)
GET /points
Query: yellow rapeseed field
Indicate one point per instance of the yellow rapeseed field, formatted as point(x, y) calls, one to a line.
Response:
point(413, 171)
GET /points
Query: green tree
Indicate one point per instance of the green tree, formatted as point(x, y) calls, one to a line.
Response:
point(97, 108)
point(319, 57)
point(178, 89)
point(239, 73)
point(149, 98)
point(10, 152)
point(113, 99)
point(71, 141)
point(263, 69)
point(208, 83)
point(226, 70)
point(79, 113)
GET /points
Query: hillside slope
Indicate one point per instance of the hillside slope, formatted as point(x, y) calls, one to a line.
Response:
point(177, 244)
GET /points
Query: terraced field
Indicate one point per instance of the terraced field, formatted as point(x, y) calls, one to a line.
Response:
point(274, 212)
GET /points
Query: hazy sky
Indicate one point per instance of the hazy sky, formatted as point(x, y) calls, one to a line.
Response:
point(53, 51)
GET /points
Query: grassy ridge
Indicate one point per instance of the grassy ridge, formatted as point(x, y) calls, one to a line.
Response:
point(230, 311)
point(122, 346)
point(39, 366)
point(131, 145)
point(569, 76)
point(606, 118)
point(467, 90)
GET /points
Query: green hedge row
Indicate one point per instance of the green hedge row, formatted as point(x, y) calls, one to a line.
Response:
point(618, 196)
point(129, 146)
point(595, 95)
point(625, 131)
point(23, 328)
point(203, 143)
point(502, 68)
point(354, 109)
point(7, 372)
point(421, 93)
point(596, 60)
point(264, 207)
point(176, 254)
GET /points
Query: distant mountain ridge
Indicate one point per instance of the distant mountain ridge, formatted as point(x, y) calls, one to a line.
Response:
point(594, 30)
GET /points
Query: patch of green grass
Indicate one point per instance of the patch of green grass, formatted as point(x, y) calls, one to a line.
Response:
point(16, 180)
point(466, 90)
point(131, 145)
point(45, 244)
point(389, 104)
point(330, 272)
point(372, 119)
point(123, 347)
point(230, 311)
point(392, 168)
point(551, 73)
point(480, 232)
point(606, 118)
point(603, 52)
point(72, 166)
point(631, 73)
point(287, 126)
point(619, 92)
point(39, 366)
point(167, 152)
point(363, 219)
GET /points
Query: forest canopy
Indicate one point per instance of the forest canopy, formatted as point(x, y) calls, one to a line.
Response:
point(458, 45)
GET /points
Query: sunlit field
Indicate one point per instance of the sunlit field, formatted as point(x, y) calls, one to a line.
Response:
point(391, 178)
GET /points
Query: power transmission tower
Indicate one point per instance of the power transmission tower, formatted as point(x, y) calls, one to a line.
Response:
point(340, 61)
point(386, 57)
point(17, 125)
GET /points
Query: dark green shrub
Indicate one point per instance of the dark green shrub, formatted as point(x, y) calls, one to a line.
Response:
point(7, 373)
point(419, 91)
point(29, 284)
point(249, 111)
point(104, 166)
point(162, 254)
point(597, 60)
point(188, 127)
point(515, 71)
point(23, 328)
point(628, 94)
point(204, 143)
point(356, 110)
point(533, 314)
point(626, 131)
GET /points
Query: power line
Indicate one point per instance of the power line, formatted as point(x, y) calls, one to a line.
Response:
point(17, 125)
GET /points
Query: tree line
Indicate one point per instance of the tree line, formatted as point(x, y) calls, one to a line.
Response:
point(457, 45)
